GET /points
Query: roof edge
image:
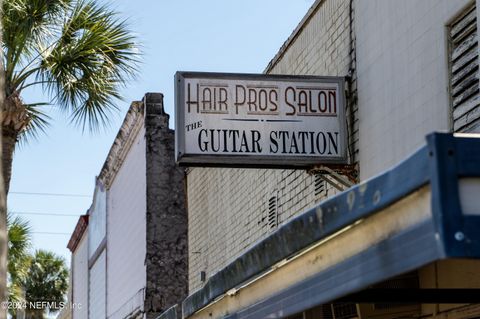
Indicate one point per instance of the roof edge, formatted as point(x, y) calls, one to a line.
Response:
point(123, 141)
point(78, 232)
point(293, 36)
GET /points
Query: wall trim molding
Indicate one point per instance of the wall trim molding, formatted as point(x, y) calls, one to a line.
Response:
point(124, 140)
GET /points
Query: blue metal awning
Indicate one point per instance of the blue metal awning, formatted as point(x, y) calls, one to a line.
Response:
point(450, 233)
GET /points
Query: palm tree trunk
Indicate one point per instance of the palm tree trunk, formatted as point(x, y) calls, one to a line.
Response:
point(9, 139)
point(3, 246)
point(3, 199)
point(3, 229)
point(35, 314)
point(14, 119)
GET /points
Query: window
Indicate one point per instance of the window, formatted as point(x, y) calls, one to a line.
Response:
point(272, 218)
point(464, 72)
point(320, 187)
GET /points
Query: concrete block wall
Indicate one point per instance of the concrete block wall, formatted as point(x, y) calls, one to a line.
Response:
point(228, 207)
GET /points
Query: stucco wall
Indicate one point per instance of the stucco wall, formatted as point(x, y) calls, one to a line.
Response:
point(402, 77)
point(126, 227)
point(80, 279)
point(227, 207)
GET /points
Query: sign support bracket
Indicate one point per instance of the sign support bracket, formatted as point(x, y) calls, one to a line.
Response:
point(329, 180)
point(340, 177)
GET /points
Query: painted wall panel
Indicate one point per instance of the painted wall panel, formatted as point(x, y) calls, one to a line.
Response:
point(97, 278)
point(80, 279)
point(97, 219)
point(126, 229)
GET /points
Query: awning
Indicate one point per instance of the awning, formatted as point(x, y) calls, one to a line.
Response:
point(425, 209)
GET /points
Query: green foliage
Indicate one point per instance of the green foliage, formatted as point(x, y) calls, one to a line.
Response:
point(19, 243)
point(42, 276)
point(47, 278)
point(79, 51)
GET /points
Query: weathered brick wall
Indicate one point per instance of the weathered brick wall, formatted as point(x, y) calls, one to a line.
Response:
point(166, 215)
point(228, 207)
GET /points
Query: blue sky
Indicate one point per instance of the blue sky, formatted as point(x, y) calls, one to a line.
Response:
point(186, 35)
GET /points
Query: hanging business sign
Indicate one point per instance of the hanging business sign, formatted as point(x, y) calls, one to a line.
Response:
point(257, 120)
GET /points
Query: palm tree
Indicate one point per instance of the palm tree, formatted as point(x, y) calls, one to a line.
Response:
point(47, 281)
point(19, 243)
point(78, 51)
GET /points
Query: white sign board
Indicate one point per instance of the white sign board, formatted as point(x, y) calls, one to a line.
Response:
point(257, 120)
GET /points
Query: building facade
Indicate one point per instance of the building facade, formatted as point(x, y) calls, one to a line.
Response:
point(129, 252)
point(411, 69)
point(239, 208)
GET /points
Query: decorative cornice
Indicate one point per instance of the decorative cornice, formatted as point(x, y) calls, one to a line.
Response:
point(123, 141)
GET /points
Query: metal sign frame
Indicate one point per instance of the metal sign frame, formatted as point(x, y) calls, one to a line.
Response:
point(253, 161)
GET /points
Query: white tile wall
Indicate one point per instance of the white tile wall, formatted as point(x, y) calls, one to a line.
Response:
point(402, 77)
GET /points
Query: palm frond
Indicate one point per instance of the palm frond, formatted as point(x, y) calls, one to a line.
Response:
point(79, 51)
point(48, 278)
point(27, 24)
point(39, 122)
point(14, 292)
point(94, 58)
point(19, 244)
point(15, 295)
